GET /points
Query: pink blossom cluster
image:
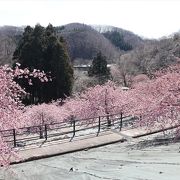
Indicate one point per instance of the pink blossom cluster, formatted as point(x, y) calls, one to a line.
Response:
point(158, 100)
point(45, 114)
point(11, 109)
point(97, 101)
point(27, 74)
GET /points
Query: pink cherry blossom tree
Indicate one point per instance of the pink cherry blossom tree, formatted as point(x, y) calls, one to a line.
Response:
point(11, 108)
point(158, 100)
point(45, 114)
point(139, 79)
point(101, 100)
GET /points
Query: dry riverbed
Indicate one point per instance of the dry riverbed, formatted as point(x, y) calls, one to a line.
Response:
point(146, 158)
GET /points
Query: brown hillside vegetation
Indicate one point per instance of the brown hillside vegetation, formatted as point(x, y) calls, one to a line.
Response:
point(84, 42)
point(153, 55)
point(9, 36)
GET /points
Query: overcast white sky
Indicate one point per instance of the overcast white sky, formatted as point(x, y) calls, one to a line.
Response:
point(148, 18)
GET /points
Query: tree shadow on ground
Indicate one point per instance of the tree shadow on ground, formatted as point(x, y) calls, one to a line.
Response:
point(157, 141)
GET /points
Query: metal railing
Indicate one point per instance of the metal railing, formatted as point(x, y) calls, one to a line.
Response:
point(66, 130)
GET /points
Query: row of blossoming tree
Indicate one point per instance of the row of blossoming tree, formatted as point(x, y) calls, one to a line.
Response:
point(156, 100)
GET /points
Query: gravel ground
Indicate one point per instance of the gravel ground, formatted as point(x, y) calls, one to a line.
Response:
point(146, 158)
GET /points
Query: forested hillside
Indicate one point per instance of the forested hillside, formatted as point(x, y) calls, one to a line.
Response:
point(118, 45)
point(9, 38)
point(153, 55)
point(83, 42)
point(125, 36)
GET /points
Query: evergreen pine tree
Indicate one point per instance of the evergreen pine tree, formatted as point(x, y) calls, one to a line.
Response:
point(40, 48)
point(118, 40)
point(99, 68)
